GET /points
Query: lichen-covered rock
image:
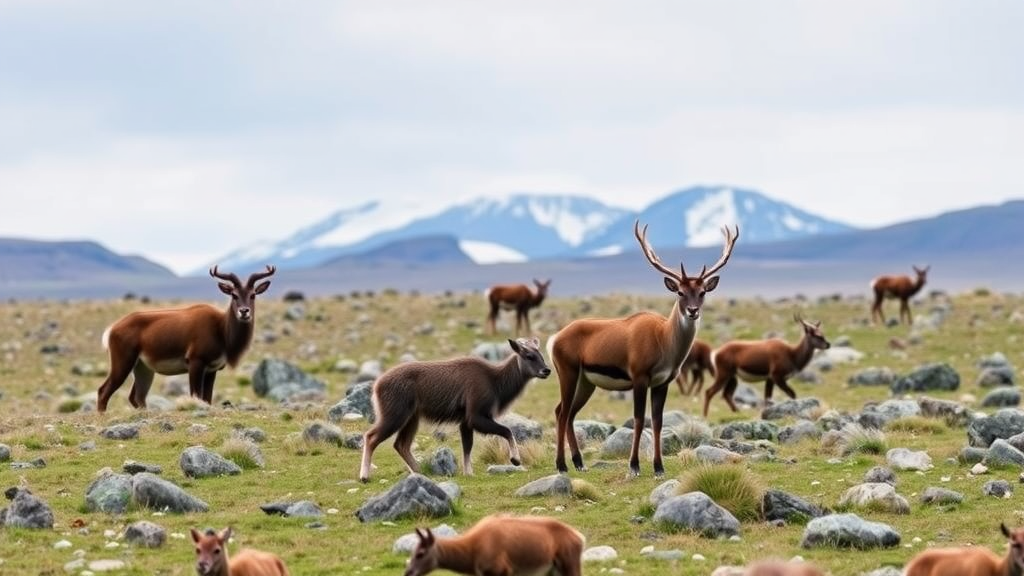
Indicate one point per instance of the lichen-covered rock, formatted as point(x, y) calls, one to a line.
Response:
point(109, 492)
point(848, 531)
point(413, 496)
point(199, 462)
point(696, 512)
point(936, 376)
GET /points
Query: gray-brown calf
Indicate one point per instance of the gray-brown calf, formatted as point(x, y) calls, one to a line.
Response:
point(467, 390)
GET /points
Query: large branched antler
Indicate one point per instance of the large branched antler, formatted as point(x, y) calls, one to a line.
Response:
point(229, 276)
point(730, 243)
point(641, 237)
point(257, 276)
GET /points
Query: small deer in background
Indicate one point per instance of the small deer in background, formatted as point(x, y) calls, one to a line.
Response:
point(973, 561)
point(505, 545)
point(516, 297)
point(199, 340)
point(901, 287)
point(697, 362)
point(212, 557)
point(771, 360)
point(467, 390)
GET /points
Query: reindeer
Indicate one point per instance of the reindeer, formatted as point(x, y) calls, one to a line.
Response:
point(771, 360)
point(974, 561)
point(501, 545)
point(697, 362)
point(516, 297)
point(467, 390)
point(634, 353)
point(901, 287)
point(199, 340)
point(212, 557)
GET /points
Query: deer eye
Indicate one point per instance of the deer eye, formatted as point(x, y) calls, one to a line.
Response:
point(198, 551)
point(216, 551)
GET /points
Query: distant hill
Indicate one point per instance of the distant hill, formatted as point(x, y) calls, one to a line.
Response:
point(43, 261)
point(439, 249)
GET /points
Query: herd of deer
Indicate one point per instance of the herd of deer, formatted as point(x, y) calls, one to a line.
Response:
point(638, 353)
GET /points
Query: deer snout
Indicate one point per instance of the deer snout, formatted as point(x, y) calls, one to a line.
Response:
point(244, 313)
point(693, 312)
point(202, 568)
point(544, 372)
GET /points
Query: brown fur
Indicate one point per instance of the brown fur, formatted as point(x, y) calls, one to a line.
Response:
point(501, 545)
point(697, 362)
point(516, 297)
point(468, 390)
point(773, 360)
point(900, 287)
point(212, 558)
point(779, 568)
point(975, 561)
point(199, 340)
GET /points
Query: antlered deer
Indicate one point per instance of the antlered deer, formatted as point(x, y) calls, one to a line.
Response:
point(901, 287)
point(199, 340)
point(212, 557)
point(771, 360)
point(505, 545)
point(975, 561)
point(634, 353)
point(516, 297)
point(697, 362)
point(467, 390)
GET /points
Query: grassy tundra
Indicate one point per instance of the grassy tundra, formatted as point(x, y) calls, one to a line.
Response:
point(36, 387)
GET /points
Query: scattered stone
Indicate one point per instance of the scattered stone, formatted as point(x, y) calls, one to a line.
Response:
point(109, 492)
point(878, 415)
point(781, 506)
point(504, 469)
point(133, 467)
point(197, 429)
point(663, 492)
point(453, 490)
point(799, 431)
point(323, 432)
point(872, 377)
point(904, 459)
point(805, 408)
point(442, 462)
point(106, 566)
point(198, 462)
point(971, 455)
point(941, 496)
point(887, 571)
point(492, 351)
point(936, 376)
point(87, 446)
point(1007, 422)
point(143, 533)
point(523, 428)
point(26, 511)
point(880, 474)
point(979, 469)
point(996, 360)
point(997, 488)
point(997, 376)
point(303, 509)
point(848, 531)
point(554, 485)
point(1002, 453)
point(593, 430)
point(415, 495)
point(749, 430)
point(1004, 397)
point(599, 554)
point(716, 455)
point(121, 431)
point(254, 434)
point(151, 491)
point(953, 413)
point(5, 453)
point(408, 542)
point(876, 495)
point(280, 380)
point(697, 512)
point(357, 400)
point(747, 396)
point(620, 443)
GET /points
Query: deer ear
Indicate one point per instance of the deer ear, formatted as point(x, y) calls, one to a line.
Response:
point(262, 287)
point(226, 534)
point(430, 537)
point(515, 346)
point(671, 284)
point(1006, 531)
point(226, 288)
point(196, 536)
point(710, 284)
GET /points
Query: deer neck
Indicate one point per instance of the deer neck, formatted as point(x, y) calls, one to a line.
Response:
point(237, 336)
point(510, 380)
point(536, 297)
point(455, 555)
point(802, 353)
point(681, 331)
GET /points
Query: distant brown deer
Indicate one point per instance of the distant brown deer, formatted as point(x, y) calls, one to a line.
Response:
point(973, 561)
point(637, 353)
point(467, 390)
point(212, 557)
point(516, 297)
point(770, 360)
point(697, 362)
point(199, 340)
point(901, 287)
point(502, 545)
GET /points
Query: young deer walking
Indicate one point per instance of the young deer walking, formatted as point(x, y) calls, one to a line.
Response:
point(697, 362)
point(639, 352)
point(974, 561)
point(516, 297)
point(900, 287)
point(467, 390)
point(770, 360)
point(505, 545)
point(199, 340)
point(212, 557)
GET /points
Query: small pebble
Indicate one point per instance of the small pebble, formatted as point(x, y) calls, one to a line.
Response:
point(61, 544)
point(698, 557)
point(979, 468)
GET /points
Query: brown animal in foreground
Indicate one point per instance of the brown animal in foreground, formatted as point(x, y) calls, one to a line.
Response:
point(901, 287)
point(212, 557)
point(770, 360)
point(468, 390)
point(975, 561)
point(199, 340)
point(697, 362)
point(502, 545)
point(780, 568)
point(639, 352)
point(516, 297)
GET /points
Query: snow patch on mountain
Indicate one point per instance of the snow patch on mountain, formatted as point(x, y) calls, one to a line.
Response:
point(490, 253)
point(705, 219)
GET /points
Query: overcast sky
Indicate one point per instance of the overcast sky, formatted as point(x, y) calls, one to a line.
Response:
point(182, 130)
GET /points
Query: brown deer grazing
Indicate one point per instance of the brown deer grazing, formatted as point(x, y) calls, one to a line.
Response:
point(974, 561)
point(199, 340)
point(902, 287)
point(634, 353)
point(697, 362)
point(502, 545)
point(770, 360)
point(212, 557)
point(516, 297)
point(468, 390)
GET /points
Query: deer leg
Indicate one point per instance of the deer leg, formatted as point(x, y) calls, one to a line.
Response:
point(120, 367)
point(208, 379)
point(143, 380)
point(639, 411)
point(905, 309)
point(730, 390)
point(526, 320)
point(568, 376)
point(403, 444)
point(196, 373)
point(385, 427)
point(780, 381)
point(658, 396)
point(682, 383)
point(769, 387)
point(487, 425)
point(466, 431)
point(492, 317)
point(698, 380)
point(876, 309)
point(722, 377)
point(583, 394)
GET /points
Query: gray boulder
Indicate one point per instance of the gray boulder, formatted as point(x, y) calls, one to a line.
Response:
point(799, 431)
point(523, 428)
point(972, 455)
point(936, 376)
point(5, 453)
point(593, 430)
point(413, 496)
point(716, 455)
point(151, 491)
point(620, 442)
point(26, 511)
point(1002, 453)
point(805, 408)
point(872, 377)
point(848, 531)
point(749, 430)
point(904, 459)
point(1003, 397)
point(996, 360)
point(280, 380)
point(981, 432)
point(408, 542)
point(253, 433)
point(492, 351)
point(997, 376)
point(303, 509)
point(442, 462)
point(453, 490)
point(954, 413)
point(878, 415)
point(358, 400)
point(133, 467)
point(880, 474)
point(747, 396)
point(144, 533)
point(121, 431)
point(997, 488)
point(323, 432)
point(781, 506)
point(110, 493)
point(875, 495)
point(198, 462)
point(663, 491)
point(940, 496)
point(554, 485)
point(696, 512)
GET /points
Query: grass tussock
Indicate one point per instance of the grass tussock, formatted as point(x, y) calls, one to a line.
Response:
point(298, 445)
point(243, 452)
point(916, 425)
point(693, 433)
point(584, 490)
point(189, 404)
point(494, 450)
point(856, 439)
point(731, 486)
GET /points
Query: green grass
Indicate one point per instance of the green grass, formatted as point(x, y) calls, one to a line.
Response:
point(731, 486)
point(916, 425)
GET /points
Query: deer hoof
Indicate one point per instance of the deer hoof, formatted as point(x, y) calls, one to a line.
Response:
point(516, 461)
point(634, 472)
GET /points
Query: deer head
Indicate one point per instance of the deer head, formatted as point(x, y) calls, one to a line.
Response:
point(530, 358)
point(689, 290)
point(243, 296)
point(211, 555)
point(922, 273)
point(813, 333)
point(1016, 555)
point(424, 557)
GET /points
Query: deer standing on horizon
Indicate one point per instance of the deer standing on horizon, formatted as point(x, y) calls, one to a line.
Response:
point(972, 561)
point(901, 287)
point(639, 352)
point(691, 373)
point(772, 360)
point(212, 557)
point(198, 340)
point(518, 297)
